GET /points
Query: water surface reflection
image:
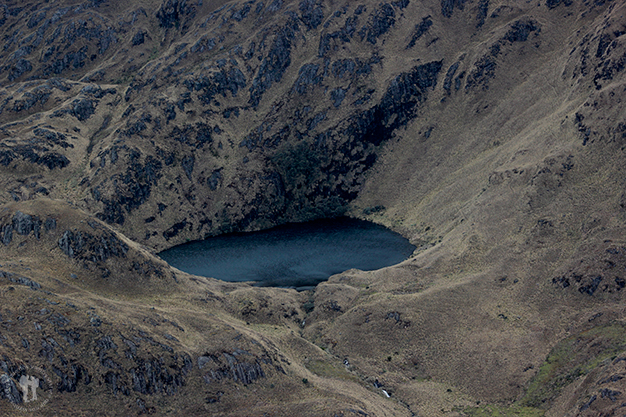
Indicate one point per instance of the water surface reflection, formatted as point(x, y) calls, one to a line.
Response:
point(299, 255)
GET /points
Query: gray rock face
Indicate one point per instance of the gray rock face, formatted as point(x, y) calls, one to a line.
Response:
point(447, 83)
point(123, 177)
point(275, 63)
point(9, 390)
point(48, 348)
point(21, 67)
point(227, 80)
point(312, 13)
point(308, 75)
point(152, 378)
point(25, 223)
point(134, 187)
point(69, 380)
point(85, 246)
point(337, 96)
point(172, 12)
point(82, 109)
point(485, 67)
point(215, 180)
point(20, 280)
point(139, 38)
point(448, 6)
point(231, 366)
point(420, 30)
point(379, 23)
point(22, 224)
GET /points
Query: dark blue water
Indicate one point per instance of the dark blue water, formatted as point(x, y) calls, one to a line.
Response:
point(299, 255)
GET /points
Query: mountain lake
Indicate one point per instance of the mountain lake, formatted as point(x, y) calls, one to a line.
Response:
point(295, 255)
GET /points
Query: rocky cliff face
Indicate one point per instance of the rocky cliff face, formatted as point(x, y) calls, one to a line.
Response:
point(490, 133)
point(218, 115)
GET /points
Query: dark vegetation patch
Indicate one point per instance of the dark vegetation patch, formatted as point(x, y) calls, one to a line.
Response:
point(93, 248)
point(485, 67)
point(131, 188)
point(275, 63)
point(419, 31)
point(572, 358)
point(597, 274)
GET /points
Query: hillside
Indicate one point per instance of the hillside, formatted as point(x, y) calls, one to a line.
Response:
point(490, 133)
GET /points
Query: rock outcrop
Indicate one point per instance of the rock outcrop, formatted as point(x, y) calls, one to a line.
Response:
point(490, 134)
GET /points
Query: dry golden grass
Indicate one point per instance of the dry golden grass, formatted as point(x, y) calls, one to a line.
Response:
point(501, 197)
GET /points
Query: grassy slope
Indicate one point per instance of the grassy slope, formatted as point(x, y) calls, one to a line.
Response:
point(501, 197)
